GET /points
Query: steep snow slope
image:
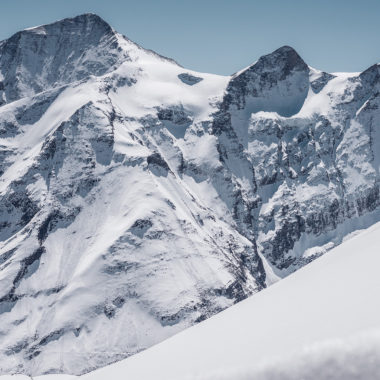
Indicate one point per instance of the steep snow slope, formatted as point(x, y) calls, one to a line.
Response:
point(138, 198)
point(321, 322)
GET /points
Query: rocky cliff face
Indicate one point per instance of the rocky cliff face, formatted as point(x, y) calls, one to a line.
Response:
point(315, 172)
point(138, 198)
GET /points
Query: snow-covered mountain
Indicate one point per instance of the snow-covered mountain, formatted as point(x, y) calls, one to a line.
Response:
point(139, 198)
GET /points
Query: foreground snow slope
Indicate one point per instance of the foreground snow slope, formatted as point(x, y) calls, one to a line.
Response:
point(321, 322)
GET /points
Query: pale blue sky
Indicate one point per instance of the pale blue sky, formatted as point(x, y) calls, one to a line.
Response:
point(223, 36)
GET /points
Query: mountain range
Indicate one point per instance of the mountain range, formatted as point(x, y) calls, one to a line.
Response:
point(138, 198)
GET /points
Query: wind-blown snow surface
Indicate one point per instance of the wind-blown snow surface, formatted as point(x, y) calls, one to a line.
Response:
point(138, 198)
point(322, 322)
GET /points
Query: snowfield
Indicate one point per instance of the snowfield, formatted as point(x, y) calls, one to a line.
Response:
point(322, 322)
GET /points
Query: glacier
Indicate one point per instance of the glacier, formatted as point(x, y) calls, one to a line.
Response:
point(139, 198)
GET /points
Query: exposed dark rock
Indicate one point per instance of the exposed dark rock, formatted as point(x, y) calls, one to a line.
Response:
point(189, 79)
point(260, 84)
point(155, 160)
point(70, 63)
point(318, 84)
point(176, 115)
point(7, 255)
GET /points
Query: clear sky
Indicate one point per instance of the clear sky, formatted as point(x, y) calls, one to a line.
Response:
point(223, 36)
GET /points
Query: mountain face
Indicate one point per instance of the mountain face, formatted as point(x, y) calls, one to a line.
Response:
point(256, 344)
point(139, 198)
point(45, 57)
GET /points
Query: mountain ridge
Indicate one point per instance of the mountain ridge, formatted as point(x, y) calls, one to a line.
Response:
point(94, 19)
point(36, 42)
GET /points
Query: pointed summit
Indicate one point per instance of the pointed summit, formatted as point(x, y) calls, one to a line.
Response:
point(277, 82)
point(371, 75)
point(86, 22)
point(282, 61)
point(284, 58)
point(44, 57)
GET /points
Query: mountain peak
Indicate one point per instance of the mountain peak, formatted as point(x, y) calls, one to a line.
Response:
point(284, 59)
point(87, 19)
point(277, 82)
point(285, 50)
point(52, 55)
point(87, 16)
